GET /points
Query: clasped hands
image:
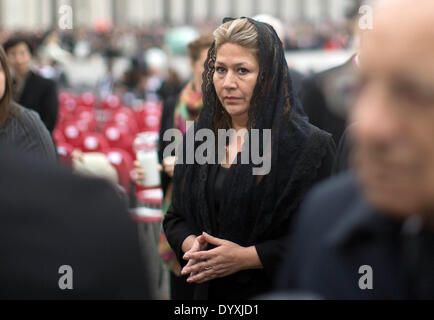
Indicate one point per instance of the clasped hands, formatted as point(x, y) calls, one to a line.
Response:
point(225, 259)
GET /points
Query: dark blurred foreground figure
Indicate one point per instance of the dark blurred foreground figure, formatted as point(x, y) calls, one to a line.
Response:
point(370, 235)
point(30, 89)
point(51, 219)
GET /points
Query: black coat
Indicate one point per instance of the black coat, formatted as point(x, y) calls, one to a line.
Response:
point(51, 218)
point(338, 232)
point(40, 94)
point(244, 284)
point(327, 96)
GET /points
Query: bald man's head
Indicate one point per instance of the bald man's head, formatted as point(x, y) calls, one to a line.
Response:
point(394, 135)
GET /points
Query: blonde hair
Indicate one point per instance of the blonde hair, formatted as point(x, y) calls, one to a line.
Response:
point(238, 31)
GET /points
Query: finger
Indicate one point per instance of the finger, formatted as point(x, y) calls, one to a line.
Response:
point(191, 264)
point(201, 239)
point(197, 267)
point(194, 248)
point(203, 255)
point(201, 277)
point(188, 265)
point(160, 167)
point(212, 240)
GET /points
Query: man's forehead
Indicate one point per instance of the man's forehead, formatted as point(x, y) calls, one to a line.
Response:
point(19, 46)
point(404, 18)
point(398, 35)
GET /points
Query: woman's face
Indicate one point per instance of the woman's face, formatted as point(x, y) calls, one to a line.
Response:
point(235, 77)
point(20, 58)
point(2, 82)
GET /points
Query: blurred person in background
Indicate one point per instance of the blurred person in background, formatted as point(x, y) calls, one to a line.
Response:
point(177, 110)
point(369, 233)
point(327, 95)
point(297, 77)
point(30, 89)
point(157, 70)
point(20, 127)
point(54, 58)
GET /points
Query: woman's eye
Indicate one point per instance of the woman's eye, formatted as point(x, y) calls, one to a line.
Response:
point(220, 70)
point(243, 71)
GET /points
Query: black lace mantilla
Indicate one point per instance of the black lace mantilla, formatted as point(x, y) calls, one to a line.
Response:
point(255, 208)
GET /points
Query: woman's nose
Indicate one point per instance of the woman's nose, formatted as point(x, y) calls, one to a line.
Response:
point(229, 81)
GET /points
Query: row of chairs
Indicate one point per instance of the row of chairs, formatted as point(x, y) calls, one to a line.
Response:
point(104, 126)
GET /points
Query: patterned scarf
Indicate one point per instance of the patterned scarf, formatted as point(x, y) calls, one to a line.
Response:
point(188, 108)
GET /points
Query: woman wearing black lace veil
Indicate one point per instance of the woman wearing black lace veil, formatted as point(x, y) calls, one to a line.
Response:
point(227, 225)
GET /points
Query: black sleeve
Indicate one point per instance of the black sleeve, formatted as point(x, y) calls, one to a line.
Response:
point(270, 252)
point(177, 229)
point(313, 102)
point(50, 105)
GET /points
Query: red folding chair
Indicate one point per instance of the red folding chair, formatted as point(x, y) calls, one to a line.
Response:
point(125, 117)
point(58, 136)
point(72, 133)
point(123, 163)
point(86, 118)
point(146, 116)
point(108, 106)
point(87, 99)
point(94, 142)
point(119, 137)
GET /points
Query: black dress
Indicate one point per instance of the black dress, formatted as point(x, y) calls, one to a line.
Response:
point(245, 284)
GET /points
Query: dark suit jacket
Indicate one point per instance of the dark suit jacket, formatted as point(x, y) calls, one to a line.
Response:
point(40, 94)
point(51, 218)
point(338, 232)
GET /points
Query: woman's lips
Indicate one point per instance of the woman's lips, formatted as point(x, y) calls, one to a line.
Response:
point(231, 99)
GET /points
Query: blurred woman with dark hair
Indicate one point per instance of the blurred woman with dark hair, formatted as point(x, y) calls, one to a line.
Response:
point(21, 128)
